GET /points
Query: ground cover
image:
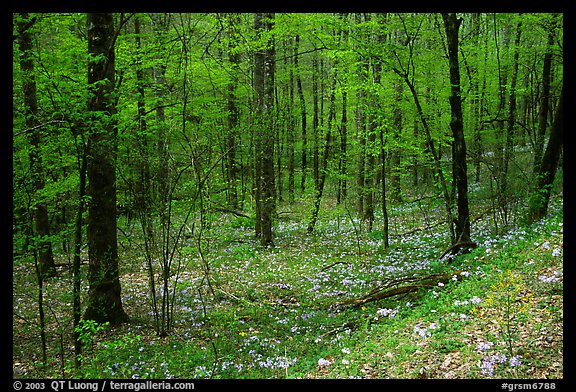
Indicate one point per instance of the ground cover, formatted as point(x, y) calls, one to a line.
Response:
point(278, 312)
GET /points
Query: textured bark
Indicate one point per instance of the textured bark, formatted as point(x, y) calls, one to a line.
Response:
point(264, 107)
point(104, 300)
point(233, 114)
point(549, 165)
point(460, 175)
point(401, 286)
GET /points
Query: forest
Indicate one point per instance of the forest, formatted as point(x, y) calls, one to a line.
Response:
point(287, 196)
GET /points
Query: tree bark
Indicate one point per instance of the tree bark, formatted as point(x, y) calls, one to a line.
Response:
point(264, 65)
point(460, 176)
point(233, 115)
point(510, 137)
point(547, 171)
point(104, 300)
point(302, 115)
point(545, 97)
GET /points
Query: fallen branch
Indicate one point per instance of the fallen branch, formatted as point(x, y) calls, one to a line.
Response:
point(333, 264)
point(402, 286)
point(458, 248)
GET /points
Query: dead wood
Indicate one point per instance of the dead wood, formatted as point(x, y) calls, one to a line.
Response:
point(403, 285)
point(459, 247)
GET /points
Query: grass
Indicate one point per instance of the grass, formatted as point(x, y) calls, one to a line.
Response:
point(272, 313)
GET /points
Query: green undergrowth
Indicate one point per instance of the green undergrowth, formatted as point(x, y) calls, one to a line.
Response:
point(274, 315)
point(281, 312)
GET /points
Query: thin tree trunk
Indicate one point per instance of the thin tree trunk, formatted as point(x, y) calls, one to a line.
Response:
point(315, 117)
point(384, 204)
point(396, 193)
point(77, 279)
point(290, 129)
point(232, 132)
point(510, 137)
point(46, 264)
point(361, 140)
point(325, 155)
point(435, 157)
point(369, 181)
point(302, 115)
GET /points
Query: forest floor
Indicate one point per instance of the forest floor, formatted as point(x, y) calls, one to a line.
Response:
point(287, 312)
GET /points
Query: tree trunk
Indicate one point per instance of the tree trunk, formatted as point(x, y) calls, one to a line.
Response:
point(545, 97)
point(547, 171)
point(369, 180)
point(232, 133)
point(290, 128)
point(302, 115)
point(104, 300)
point(460, 176)
point(510, 137)
point(326, 153)
point(46, 264)
point(361, 139)
point(264, 108)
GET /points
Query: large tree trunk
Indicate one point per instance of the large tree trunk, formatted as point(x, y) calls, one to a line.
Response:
point(460, 175)
point(545, 97)
point(264, 108)
point(547, 171)
point(104, 300)
point(40, 211)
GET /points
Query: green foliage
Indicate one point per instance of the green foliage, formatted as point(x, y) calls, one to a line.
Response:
point(87, 331)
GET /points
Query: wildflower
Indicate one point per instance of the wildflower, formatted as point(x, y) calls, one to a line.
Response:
point(387, 312)
point(423, 332)
point(324, 362)
point(440, 284)
point(556, 252)
point(475, 300)
point(515, 360)
point(484, 346)
point(548, 279)
point(346, 350)
point(487, 366)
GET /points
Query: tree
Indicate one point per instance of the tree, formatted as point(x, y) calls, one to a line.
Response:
point(104, 300)
point(460, 176)
point(547, 170)
point(232, 21)
point(543, 113)
point(40, 211)
point(264, 65)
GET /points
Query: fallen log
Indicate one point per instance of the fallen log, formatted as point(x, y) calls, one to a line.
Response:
point(401, 286)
